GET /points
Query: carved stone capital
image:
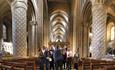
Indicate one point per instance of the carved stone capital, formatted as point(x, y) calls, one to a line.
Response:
point(33, 22)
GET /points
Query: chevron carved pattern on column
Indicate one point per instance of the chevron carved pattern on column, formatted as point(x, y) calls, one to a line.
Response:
point(99, 31)
point(19, 31)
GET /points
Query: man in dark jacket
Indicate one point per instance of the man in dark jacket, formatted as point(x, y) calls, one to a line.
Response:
point(58, 58)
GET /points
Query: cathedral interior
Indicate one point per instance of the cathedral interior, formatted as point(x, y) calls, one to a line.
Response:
point(85, 26)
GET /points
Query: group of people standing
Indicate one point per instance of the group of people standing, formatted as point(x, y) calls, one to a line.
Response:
point(55, 58)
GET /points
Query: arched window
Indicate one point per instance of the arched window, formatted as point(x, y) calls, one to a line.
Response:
point(112, 33)
point(4, 32)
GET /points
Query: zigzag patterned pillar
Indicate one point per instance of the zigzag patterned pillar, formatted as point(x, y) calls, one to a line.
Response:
point(19, 30)
point(98, 29)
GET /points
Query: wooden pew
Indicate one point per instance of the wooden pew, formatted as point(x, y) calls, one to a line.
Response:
point(25, 63)
point(109, 68)
point(92, 64)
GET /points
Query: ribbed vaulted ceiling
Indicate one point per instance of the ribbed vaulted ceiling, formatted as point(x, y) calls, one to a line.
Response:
point(59, 19)
point(58, 25)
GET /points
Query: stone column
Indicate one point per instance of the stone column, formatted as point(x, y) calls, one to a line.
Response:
point(39, 19)
point(33, 39)
point(114, 36)
point(74, 34)
point(85, 40)
point(98, 29)
point(1, 35)
point(19, 27)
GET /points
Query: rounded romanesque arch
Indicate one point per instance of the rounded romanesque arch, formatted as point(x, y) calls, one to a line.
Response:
point(87, 28)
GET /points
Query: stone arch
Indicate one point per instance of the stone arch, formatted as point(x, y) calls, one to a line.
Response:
point(87, 12)
point(31, 37)
point(61, 15)
point(87, 21)
point(30, 11)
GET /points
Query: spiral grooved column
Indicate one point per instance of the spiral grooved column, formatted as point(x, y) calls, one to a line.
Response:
point(98, 30)
point(19, 33)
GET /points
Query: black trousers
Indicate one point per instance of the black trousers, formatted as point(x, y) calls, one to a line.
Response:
point(51, 65)
point(59, 64)
point(69, 63)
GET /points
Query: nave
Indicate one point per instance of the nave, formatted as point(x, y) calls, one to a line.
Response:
point(35, 34)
